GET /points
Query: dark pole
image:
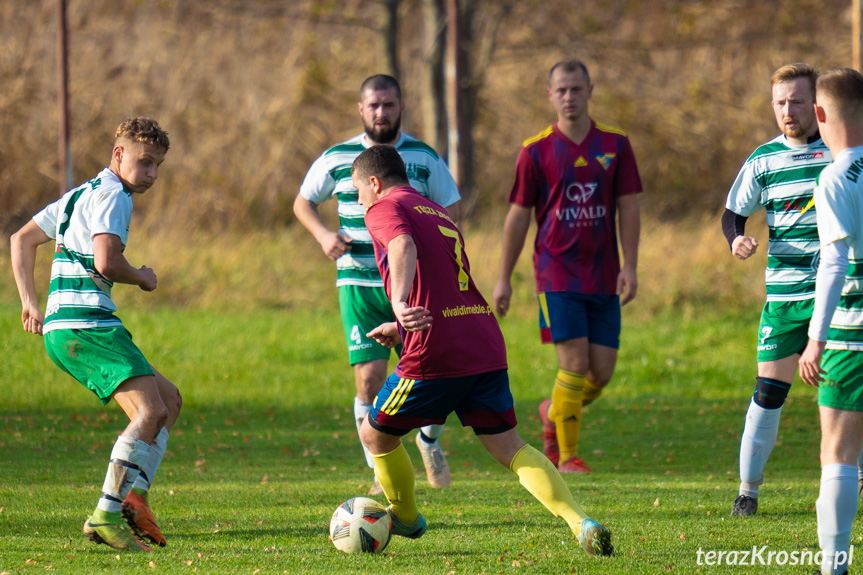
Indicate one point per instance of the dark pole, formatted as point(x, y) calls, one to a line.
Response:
point(62, 99)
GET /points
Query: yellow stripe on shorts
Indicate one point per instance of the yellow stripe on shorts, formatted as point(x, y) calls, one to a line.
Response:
point(398, 396)
point(543, 307)
point(404, 395)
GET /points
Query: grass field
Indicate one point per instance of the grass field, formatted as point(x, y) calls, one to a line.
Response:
point(266, 448)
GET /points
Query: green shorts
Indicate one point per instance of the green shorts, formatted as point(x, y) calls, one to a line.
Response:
point(784, 329)
point(101, 358)
point(363, 309)
point(842, 387)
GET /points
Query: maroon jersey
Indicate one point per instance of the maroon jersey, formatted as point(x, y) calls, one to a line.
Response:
point(464, 338)
point(573, 189)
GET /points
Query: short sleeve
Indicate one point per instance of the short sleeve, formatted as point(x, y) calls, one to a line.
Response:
point(385, 221)
point(835, 207)
point(442, 188)
point(525, 189)
point(627, 180)
point(47, 219)
point(744, 198)
point(319, 184)
point(112, 214)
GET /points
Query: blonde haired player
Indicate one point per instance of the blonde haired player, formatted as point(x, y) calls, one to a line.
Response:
point(90, 225)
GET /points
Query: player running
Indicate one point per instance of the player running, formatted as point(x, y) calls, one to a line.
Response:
point(90, 225)
point(834, 331)
point(454, 358)
point(778, 177)
point(578, 177)
point(362, 300)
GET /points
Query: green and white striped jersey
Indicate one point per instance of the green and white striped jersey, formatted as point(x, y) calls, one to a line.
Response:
point(330, 176)
point(839, 199)
point(780, 177)
point(78, 297)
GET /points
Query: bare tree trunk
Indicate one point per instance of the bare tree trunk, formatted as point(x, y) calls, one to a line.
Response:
point(480, 21)
point(454, 76)
point(434, 98)
point(391, 36)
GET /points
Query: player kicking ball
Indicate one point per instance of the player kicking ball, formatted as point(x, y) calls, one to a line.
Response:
point(90, 225)
point(453, 356)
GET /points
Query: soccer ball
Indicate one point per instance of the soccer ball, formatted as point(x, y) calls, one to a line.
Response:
point(360, 525)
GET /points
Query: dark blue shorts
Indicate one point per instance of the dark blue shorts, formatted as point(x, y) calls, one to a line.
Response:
point(481, 401)
point(564, 316)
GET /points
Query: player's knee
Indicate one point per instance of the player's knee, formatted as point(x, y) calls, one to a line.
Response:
point(173, 401)
point(770, 393)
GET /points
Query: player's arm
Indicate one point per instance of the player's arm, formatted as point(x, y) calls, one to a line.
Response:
point(733, 226)
point(111, 264)
point(23, 245)
point(828, 289)
point(334, 244)
point(454, 211)
point(402, 259)
point(515, 229)
point(629, 222)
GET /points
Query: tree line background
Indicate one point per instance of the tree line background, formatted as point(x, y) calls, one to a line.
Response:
point(252, 91)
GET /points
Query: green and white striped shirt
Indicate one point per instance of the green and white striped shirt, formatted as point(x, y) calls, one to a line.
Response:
point(839, 198)
point(780, 177)
point(330, 176)
point(75, 299)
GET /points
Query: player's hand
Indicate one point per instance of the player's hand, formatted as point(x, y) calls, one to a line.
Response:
point(502, 296)
point(412, 318)
point(148, 279)
point(32, 319)
point(336, 245)
point(810, 363)
point(743, 247)
point(386, 334)
point(627, 285)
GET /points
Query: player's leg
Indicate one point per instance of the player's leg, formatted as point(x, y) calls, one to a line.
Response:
point(840, 400)
point(567, 398)
point(107, 362)
point(395, 472)
point(604, 324)
point(363, 309)
point(488, 409)
point(539, 476)
point(761, 428)
point(783, 333)
point(136, 508)
point(140, 400)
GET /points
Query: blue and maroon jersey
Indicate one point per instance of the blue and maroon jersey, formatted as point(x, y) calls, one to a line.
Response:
point(464, 338)
point(573, 190)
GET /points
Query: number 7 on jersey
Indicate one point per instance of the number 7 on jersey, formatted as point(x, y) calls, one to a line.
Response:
point(463, 278)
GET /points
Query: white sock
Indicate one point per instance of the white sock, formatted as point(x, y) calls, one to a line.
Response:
point(127, 457)
point(432, 431)
point(836, 508)
point(361, 411)
point(149, 469)
point(759, 437)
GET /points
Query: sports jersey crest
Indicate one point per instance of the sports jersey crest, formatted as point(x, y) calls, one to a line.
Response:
point(605, 160)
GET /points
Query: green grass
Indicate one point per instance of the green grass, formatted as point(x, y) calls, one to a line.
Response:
point(266, 448)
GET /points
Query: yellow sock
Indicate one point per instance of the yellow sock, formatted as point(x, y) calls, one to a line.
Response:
point(591, 392)
point(396, 474)
point(566, 402)
point(538, 475)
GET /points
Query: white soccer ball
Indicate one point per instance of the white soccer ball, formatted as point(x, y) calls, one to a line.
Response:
point(360, 525)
